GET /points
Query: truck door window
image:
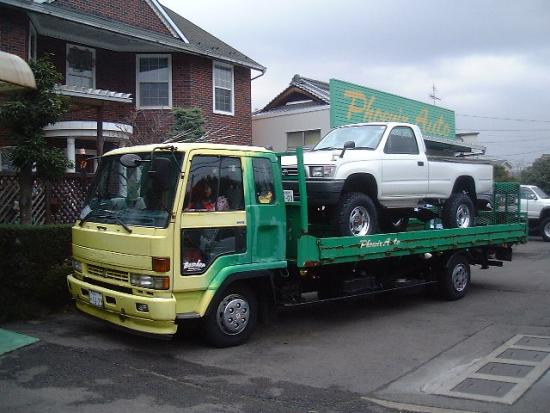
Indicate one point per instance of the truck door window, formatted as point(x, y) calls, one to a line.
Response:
point(526, 193)
point(263, 181)
point(215, 183)
point(401, 141)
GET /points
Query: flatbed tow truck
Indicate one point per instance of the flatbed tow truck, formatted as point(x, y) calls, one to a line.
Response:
point(173, 233)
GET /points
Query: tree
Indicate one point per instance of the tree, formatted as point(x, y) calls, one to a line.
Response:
point(25, 115)
point(501, 174)
point(538, 173)
point(189, 122)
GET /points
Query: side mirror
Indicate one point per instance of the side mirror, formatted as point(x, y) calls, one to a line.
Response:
point(160, 173)
point(130, 160)
point(347, 145)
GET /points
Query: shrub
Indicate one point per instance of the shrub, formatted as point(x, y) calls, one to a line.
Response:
point(33, 269)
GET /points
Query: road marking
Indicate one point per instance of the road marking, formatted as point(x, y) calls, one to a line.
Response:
point(495, 379)
point(413, 407)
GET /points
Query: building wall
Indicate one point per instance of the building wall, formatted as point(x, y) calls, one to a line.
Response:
point(134, 12)
point(14, 28)
point(271, 131)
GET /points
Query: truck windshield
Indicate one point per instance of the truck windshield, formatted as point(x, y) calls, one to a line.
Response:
point(365, 137)
point(540, 193)
point(132, 196)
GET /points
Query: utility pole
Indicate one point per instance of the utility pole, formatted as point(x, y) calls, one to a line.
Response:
point(433, 95)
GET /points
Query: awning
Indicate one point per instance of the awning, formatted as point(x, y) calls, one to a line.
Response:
point(15, 74)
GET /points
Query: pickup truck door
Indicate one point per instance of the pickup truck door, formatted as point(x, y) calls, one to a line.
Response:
point(404, 166)
point(529, 203)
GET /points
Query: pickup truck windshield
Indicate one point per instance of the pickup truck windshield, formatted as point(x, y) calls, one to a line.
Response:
point(365, 137)
point(540, 193)
point(131, 196)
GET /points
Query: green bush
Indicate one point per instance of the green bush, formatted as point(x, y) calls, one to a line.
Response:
point(33, 269)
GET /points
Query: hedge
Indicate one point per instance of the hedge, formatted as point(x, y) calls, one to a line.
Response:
point(33, 269)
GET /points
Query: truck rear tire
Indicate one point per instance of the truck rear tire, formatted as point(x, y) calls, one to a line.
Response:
point(454, 278)
point(545, 229)
point(233, 317)
point(458, 211)
point(355, 215)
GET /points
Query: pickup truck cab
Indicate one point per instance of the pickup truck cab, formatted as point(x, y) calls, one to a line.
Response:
point(536, 204)
point(373, 176)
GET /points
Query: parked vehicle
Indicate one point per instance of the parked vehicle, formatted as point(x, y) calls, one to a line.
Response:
point(372, 176)
point(537, 206)
point(174, 233)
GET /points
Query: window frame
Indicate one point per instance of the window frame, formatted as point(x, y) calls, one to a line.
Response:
point(402, 153)
point(32, 33)
point(303, 132)
point(225, 66)
point(91, 49)
point(138, 96)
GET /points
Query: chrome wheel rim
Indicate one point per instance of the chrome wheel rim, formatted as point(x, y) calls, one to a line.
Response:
point(359, 221)
point(233, 314)
point(547, 230)
point(460, 277)
point(463, 216)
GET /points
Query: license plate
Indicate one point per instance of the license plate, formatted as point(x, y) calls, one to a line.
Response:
point(289, 195)
point(96, 299)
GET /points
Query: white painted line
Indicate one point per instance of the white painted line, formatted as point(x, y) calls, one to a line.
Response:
point(413, 407)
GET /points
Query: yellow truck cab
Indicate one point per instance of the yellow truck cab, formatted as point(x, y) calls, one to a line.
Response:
point(163, 228)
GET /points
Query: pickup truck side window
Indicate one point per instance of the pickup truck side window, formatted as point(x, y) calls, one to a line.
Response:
point(215, 183)
point(526, 193)
point(401, 141)
point(263, 181)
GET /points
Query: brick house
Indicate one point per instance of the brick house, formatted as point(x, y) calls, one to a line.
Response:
point(126, 64)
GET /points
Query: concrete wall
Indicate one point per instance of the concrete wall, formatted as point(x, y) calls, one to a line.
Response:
point(271, 129)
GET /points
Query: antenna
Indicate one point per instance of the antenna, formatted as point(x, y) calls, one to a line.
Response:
point(433, 95)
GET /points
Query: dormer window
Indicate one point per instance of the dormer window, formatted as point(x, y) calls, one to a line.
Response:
point(80, 66)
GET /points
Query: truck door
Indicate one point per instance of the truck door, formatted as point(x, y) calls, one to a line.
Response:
point(529, 203)
point(404, 167)
point(213, 231)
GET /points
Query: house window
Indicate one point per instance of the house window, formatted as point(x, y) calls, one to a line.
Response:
point(32, 41)
point(307, 138)
point(80, 66)
point(223, 80)
point(6, 164)
point(154, 81)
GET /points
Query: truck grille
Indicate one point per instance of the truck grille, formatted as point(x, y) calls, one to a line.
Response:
point(290, 170)
point(108, 273)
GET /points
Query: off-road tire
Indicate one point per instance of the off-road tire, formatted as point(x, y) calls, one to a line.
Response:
point(545, 229)
point(452, 208)
point(214, 331)
point(354, 203)
point(454, 277)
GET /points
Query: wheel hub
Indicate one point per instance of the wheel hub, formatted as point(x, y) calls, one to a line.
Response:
point(546, 230)
point(359, 221)
point(460, 277)
point(463, 216)
point(233, 314)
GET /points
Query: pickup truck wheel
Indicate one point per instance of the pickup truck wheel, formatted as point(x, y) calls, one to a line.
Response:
point(458, 211)
point(545, 229)
point(454, 278)
point(356, 215)
point(233, 317)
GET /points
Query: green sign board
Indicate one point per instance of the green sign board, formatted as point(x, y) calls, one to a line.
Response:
point(350, 103)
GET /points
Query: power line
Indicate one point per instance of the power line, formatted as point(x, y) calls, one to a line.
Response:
point(502, 130)
point(498, 118)
point(519, 140)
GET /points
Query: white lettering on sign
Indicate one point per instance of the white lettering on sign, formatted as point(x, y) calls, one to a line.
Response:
point(193, 266)
point(386, 243)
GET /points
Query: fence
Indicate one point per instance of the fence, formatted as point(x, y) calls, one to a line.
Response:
point(58, 203)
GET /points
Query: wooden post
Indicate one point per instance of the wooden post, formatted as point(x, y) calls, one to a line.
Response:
point(100, 140)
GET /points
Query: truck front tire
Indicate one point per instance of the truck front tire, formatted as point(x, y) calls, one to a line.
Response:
point(545, 229)
point(233, 317)
point(356, 215)
point(458, 211)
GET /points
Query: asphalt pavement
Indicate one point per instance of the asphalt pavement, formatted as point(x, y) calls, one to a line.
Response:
point(407, 352)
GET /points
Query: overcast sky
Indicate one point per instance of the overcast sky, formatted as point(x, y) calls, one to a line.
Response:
point(486, 58)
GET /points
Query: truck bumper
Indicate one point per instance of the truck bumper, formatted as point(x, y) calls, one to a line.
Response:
point(320, 191)
point(121, 310)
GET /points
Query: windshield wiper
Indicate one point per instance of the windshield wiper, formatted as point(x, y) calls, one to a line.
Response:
point(108, 215)
point(326, 148)
point(363, 147)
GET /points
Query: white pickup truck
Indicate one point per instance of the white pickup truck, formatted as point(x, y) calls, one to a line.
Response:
point(374, 176)
point(536, 203)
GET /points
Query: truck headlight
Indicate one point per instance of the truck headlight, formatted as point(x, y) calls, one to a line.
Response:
point(149, 281)
point(321, 171)
point(77, 266)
